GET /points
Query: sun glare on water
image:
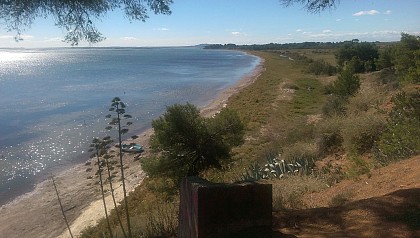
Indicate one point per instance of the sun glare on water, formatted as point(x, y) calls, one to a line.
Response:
point(13, 56)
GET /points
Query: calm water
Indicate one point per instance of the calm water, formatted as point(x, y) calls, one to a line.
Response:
point(53, 101)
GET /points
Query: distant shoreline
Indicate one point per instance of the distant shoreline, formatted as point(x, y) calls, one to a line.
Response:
point(40, 209)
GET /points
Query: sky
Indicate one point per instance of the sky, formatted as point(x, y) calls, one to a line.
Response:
point(195, 22)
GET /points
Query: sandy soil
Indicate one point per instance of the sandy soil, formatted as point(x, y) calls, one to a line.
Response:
point(37, 214)
point(385, 203)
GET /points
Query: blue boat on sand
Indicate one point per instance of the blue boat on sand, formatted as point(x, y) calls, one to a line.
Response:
point(132, 148)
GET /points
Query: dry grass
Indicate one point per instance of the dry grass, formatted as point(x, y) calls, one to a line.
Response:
point(288, 193)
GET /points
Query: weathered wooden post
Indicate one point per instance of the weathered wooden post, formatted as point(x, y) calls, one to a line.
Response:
point(224, 210)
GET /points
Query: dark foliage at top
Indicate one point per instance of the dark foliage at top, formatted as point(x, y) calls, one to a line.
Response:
point(313, 6)
point(75, 16)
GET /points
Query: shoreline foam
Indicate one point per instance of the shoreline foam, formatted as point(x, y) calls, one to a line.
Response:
point(79, 196)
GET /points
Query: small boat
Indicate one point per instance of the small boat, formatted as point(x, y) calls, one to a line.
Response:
point(132, 148)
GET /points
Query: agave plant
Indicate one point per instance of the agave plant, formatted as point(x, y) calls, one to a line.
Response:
point(278, 168)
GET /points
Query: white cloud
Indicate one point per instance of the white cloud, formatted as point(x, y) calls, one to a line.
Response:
point(53, 39)
point(387, 12)
point(299, 30)
point(6, 37)
point(338, 19)
point(128, 38)
point(21, 37)
point(238, 33)
point(386, 32)
point(380, 35)
point(370, 12)
point(161, 29)
point(327, 31)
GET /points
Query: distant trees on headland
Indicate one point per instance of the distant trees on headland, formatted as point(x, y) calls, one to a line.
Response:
point(402, 58)
point(276, 46)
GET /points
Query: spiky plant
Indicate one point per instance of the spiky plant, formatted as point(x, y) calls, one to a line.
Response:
point(278, 168)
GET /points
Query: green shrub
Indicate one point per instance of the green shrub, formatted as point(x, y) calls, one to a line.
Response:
point(347, 84)
point(188, 143)
point(355, 65)
point(406, 58)
point(329, 135)
point(299, 151)
point(361, 131)
point(367, 99)
point(334, 106)
point(358, 55)
point(321, 67)
point(359, 166)
point(401, 138)
point(388, 76)
point(300, 133)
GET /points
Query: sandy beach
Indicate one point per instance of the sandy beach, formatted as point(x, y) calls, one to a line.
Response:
point(37, 214)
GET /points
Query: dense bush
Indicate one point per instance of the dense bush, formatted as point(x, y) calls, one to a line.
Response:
point(300, 150)
point(355, 65)
point(406, 58)
point(361, 131)
point(360, 55)
point(346, 84)
point(321, 67)
point(187, 143)
point(329, 135)
point(334, 106)
point(402, 58)
point(385, 59)
point(388, 76)
point(401, 138)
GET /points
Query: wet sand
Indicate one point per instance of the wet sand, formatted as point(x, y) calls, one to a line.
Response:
point(37, 214)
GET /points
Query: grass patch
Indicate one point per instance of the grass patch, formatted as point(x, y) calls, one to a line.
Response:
point(272, 120)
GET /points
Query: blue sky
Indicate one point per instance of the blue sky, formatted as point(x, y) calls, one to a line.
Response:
point(242, 22)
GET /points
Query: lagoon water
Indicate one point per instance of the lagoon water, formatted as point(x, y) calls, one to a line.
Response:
point(54, 101)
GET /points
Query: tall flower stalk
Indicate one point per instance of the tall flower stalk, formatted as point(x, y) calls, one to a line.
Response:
point(99, 147)
point(118, 107)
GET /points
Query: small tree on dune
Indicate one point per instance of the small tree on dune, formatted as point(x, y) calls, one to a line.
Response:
point(347, 84)
point(187, 143)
